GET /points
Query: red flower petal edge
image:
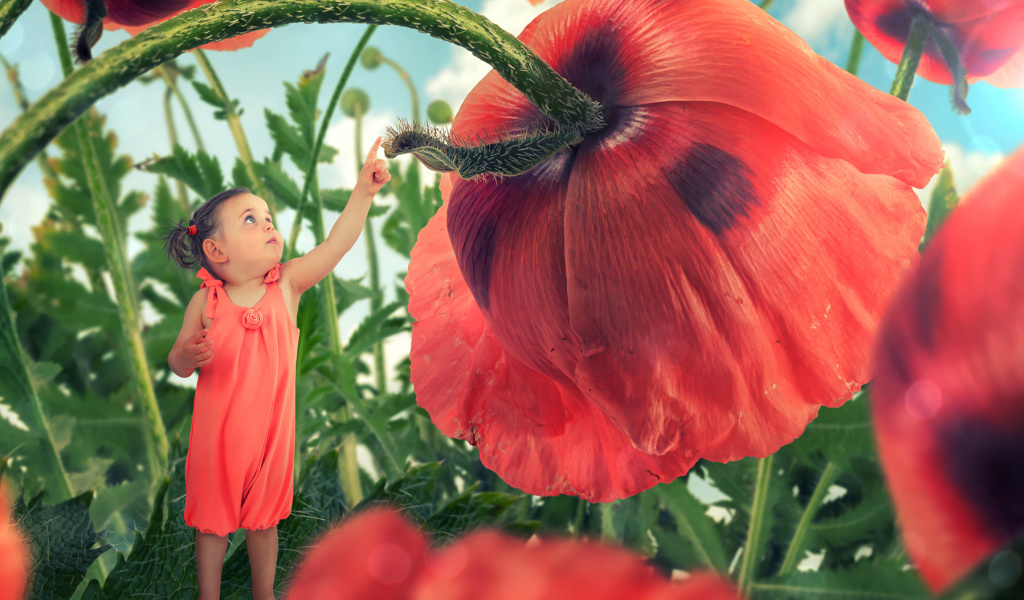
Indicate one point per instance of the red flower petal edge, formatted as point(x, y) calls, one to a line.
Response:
point(948, 396)
point(987, 35)
point(377, 554)
point(14, 554)
point(695, 281)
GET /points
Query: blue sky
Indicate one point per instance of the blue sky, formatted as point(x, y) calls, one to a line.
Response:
point(974, 144)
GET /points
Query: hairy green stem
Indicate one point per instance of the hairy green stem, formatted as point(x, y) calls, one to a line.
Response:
point(324, 123)
point(796, 545)
point(237, 132)
point(404, 76)
point(10, 10)
point(172, 84)
point(856, 49)
point(916, 40)
point(757, 511)
point(216, 21)
point(156, 443)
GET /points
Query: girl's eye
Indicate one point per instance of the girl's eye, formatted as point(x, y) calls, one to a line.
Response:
point(250, 217)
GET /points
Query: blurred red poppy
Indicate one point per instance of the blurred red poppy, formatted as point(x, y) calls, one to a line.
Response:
point(694, 281)
point(987, 34)
point(136, 15)
point(14, 554)
point(377, 554)
point(948, 393)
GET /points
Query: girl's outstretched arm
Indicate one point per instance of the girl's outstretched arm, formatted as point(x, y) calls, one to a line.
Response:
point(305, 271)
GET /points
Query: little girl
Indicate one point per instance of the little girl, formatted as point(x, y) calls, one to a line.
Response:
point(240, 333)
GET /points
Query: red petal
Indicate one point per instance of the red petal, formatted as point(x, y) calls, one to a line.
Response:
point(242, 41)
point(496, 567)
point(644, 51)
point(374, 554)
point(1011, 74)
point(15, 558)
point(69, 10)
point(537, 432)
point(987, 34)
point(725, 280)
point(948, 398)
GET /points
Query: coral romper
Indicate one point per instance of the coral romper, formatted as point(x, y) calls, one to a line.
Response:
point(241, 448)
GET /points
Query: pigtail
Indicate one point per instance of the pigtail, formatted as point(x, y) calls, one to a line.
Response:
point(182, 245)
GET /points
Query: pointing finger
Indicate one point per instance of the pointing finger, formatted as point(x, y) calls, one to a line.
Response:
point(373, 151)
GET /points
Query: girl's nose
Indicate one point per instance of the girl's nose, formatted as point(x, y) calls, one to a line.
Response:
point(268, 227)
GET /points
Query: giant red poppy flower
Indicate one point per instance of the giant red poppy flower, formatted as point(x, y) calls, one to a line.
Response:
point(377, 554)
point(136, 15)
point(14, 554)
point(987, 35)
point(695, 281)
point(948, 395)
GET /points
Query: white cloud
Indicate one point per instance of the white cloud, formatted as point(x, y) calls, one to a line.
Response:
point(465, 71)
point(343, 171)
point(816, 20)
point(969, 166)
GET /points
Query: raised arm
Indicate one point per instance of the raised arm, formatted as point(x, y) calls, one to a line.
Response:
point(304, 272)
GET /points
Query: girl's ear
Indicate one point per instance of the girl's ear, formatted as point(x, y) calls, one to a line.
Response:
point(213, 251)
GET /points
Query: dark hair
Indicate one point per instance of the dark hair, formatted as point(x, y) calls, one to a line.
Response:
point(185, 249)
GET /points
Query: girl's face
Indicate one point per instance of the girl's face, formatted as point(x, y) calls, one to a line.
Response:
point(247, 235)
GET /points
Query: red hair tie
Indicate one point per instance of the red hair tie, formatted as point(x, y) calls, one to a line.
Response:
point(191, 229)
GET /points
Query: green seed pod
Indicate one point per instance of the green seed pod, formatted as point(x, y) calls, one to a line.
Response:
point(351, 98)
point(371, 58)
point(439, 112)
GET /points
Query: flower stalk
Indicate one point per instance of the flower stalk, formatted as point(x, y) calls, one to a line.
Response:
point(157, 446)
point(856, 49)
point(758, 507)
point(10, 10)
point(172, 84)
point(916, 40)
point(443, 19)
point(797, 543)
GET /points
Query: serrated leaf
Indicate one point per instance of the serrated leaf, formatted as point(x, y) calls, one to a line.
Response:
point(469, 511)
point(208, 95)
point(374, 328)
point(200, 172)
point(863, 581)
point(63, 543)
point(77, 248)
point(413, 494)
point(837, 434)
point(278, 182)
point(696, 542)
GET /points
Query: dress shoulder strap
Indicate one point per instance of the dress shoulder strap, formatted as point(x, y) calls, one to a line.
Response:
point(214, 284)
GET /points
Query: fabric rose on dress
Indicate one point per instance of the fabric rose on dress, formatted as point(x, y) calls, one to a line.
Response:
point(986, 33)
point(14, 554)
point(377, 554)
point(252, 318)
point(948, 392)
point(136, 15)
point(695, 281)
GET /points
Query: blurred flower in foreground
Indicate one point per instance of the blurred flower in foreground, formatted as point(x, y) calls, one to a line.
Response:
point(378, 555)
point(948, 393)
point(136, 15)
point(14, 554)
point(694, 281)
point(987, 35)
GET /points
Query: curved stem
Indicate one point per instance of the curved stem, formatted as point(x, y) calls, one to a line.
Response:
point(216, 21)
point(757, 510)
point(404, 76)
point(235, 124)
point(172, 84)
point(172, 133)
point(797, 543)
point(912, 52)
point(324, 122)
point(156, 443)
point(10, 10)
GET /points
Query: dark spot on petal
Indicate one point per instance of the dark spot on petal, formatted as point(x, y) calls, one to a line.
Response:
point(927, 300)
point(986, 463)
point(476, 257)
point(715, 186)
point(595, 65)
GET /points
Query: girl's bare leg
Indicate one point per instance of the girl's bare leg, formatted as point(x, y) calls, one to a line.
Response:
point(262, 545)
point(210, 549)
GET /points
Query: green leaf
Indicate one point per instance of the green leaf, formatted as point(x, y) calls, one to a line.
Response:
point(943, 201)
point(863, 581)
point(62, 540)
point(413, 494)
point(77, 248)
point(278, 182)
point(694, 540)
point(208, 95)
point(374, 328)
point(838, 434)
point(201, 172)
point(469, 511)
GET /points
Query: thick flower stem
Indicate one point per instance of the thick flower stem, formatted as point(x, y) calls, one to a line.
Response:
point(172, 84)
point(916, 40)
point(235, 124)
point(856, 49)
point(377, 299)
point(404, 76)
point(124, 288)
point(325, 121)
point(796, 545)
point(757, 510)
point(10, 10)
point(216, 21)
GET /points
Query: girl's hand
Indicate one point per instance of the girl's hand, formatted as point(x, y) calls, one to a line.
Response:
point(374, 173)
point(198, 349)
